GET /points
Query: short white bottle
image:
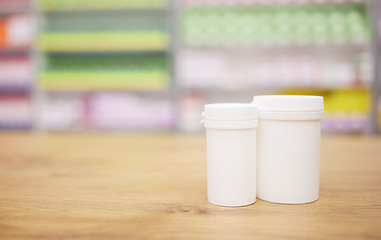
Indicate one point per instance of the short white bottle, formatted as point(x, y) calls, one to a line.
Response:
point(231, 153)
point(288, 148)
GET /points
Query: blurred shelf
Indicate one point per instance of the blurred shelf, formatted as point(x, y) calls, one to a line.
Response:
point(15, 89)
point(103, 81)
point(101, 41)
point(15, 51)
point(270, 88)
point(98, 129)
point(14, 10)
point(102, 10)
point(273, 48)
point(308, 48)
point(89, 5)
point(205, 3)
point(114, 53)
point(150, 91)
point(15, 127)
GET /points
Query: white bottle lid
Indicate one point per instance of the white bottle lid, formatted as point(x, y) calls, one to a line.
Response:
point(289, 107)
point(230, 112)
point(289, 103)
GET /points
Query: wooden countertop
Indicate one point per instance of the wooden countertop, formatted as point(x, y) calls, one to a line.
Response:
point(153, 186)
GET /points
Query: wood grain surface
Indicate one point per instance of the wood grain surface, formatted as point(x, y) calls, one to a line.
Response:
point(153, 186)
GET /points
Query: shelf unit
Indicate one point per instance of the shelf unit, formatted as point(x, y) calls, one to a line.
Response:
point(105, 64)
point(230, 50)
point(142, 65)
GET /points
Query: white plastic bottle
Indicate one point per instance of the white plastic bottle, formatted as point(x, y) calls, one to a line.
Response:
point(231, 153)
point(288, 149)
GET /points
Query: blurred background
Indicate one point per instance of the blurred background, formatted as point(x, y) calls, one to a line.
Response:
point(151, 65)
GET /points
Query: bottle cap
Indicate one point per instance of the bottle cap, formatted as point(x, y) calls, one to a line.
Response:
point(289, 103)
point(230, 112)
